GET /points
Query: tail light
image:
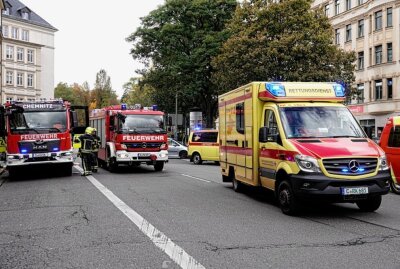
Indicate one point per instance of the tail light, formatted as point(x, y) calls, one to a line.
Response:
point(164, 146)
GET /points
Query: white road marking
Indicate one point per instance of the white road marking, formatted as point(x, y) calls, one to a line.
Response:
point(196, 178)
point(175, 252)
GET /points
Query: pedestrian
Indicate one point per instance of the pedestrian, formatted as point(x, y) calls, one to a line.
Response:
point(96, 146)
point(86, 151)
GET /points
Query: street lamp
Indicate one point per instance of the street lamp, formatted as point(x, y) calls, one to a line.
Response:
point(176, 116)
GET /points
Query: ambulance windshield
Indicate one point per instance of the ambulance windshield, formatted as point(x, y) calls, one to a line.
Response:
point(319, 122)
point(136, 124)
point(38, 122)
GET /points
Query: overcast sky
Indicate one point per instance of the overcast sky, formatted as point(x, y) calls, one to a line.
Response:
point(91, 36)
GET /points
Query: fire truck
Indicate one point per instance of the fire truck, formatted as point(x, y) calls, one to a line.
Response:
point(38, 133)
point(131, 136)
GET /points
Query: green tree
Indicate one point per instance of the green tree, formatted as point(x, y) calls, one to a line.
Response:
point(64, 91)
point(75, 94)
point(103, 95)
point(176, 42)
point(285, 41)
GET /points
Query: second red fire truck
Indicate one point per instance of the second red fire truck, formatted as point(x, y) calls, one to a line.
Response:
point(131, 136)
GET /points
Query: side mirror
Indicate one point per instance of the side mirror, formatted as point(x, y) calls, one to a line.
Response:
point(268, 135)
point(75, 122)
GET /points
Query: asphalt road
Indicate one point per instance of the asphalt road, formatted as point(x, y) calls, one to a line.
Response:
point(66, 222)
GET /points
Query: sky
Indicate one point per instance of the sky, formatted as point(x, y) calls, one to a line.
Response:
point(91, 36)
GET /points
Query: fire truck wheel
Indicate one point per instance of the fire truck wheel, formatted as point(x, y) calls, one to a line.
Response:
point(371, 204)
point(237, 185)
point(197, 158)
point(395, 187)
point(67, 170)
point(183, 154)
point(159, 166)
point(111, 164)
point(287, 201)
point(12, 172)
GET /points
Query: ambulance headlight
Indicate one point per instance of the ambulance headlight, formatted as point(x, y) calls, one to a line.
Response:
point(307, 164)
point(383, 164)
point(276, 89)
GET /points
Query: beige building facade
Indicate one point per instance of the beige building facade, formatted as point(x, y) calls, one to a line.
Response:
point(371, 28)
point(27, 54)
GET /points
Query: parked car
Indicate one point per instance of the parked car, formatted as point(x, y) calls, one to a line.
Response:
point(176, 149)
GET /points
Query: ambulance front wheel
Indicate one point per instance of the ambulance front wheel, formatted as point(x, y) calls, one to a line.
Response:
point(159, 166)
point(395, 187)
point(371, 204)
point(197, 158)
point(287, 201)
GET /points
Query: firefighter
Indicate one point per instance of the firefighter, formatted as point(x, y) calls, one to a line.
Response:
point(96, 146)
point(86, 151)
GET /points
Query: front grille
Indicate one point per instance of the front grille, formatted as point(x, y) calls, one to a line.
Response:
point(39, 146)
point(350, 167)
point(143, 146)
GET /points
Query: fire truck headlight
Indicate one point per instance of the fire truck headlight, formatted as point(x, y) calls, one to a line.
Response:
point(163, 155)
point(307, 164)
point(123, 155)
point(383, 164)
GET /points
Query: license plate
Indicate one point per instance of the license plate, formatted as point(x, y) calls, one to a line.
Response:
point(354, 191)
point(144, 154)
point(40, 155)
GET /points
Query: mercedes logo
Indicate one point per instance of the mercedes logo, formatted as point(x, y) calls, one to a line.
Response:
point(354, 166)
point(144, 145)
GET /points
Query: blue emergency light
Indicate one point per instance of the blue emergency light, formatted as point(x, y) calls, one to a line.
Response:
point(55, 149)
point(339, 90)
point(276, 89)
point(24, 151)
point(155, 107)
point(123, 106)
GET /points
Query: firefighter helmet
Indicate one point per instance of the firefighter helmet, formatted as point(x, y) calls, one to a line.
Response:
point(88, 130)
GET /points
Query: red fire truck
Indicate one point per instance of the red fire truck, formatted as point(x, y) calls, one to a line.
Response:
point(38, 133)
point(131, 136)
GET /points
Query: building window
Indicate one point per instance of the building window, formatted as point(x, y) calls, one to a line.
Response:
point(378, 54)
point(25, 15)
point(390, 88)
point(9, 78)
point(389, 52)
point(326, 10)
point(29, 81)
point(30, 56)
point(20, 54)
point(25, 35)
point(9, 52)
point(360, 2)
point(348, 4)
point(378, 89)
point(20, 99)
point(360, 60)
point(360, 28)
point(20, 79)
point(5, 30)
point(370, 57)
point(15, 32)
point(337, 37)
point(337, 7)
point(240, 118)
point(389, 17)
point(360, 93)
point(348, 32)
point(9, 99)
point(378, 20)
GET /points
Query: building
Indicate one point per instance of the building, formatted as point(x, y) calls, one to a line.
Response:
point(27, 54)
point(371, 28)
point(1, 41)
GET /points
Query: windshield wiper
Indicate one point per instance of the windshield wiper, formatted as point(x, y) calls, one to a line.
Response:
point(50, 128)
point(344, 136)
point(24, 130)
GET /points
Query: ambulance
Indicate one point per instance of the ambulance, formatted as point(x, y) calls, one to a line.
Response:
point(299, 140)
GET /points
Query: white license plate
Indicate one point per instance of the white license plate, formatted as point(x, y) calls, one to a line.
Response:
point(144, 154)
point(40, 155)
point(354, 191)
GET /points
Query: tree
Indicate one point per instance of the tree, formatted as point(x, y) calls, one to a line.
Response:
point(176, 42)
point(103, 95)
point(284, 41)
point(75, 94)
point(63, 91)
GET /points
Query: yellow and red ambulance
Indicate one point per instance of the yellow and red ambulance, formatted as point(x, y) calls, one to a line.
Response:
point(299, 140)
point(203, 146)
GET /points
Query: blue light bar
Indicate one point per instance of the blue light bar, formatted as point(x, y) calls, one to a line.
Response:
point(123, 106)
point(276, 89)
point(339, 90)
point(361, 169)
point(155, 107)
point(345, 170)
point(24, 151)
point(55, 149)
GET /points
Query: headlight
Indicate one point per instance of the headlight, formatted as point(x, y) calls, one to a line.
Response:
point(307, 164)
point(383, 164)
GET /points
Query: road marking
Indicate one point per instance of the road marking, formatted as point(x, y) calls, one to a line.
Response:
point(175, 252)
point(196, 178)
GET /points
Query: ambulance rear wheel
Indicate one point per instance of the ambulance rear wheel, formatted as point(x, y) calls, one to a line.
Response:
point(395, 187)
point(287, 201)
point(159, 166)
point(237, 185)
point(371, 204)
point(197, 158)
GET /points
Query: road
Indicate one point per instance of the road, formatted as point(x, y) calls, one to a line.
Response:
point(138, 218)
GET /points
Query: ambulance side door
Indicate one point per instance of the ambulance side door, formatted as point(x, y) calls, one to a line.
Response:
point(270, 148)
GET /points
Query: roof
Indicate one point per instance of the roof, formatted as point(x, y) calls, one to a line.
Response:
point(16, 13)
